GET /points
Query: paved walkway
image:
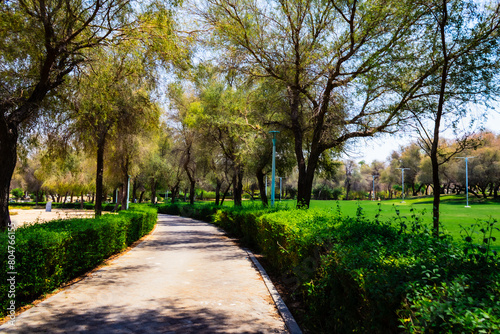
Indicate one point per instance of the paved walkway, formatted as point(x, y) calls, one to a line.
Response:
point(187, 277)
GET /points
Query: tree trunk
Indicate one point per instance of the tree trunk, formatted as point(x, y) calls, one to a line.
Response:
point(81, 202)
point(238, 186)
point(483, 191)
point(192, 183)
point(217, 191)
point(140, 197)
point(262, 187)
point(437, 123)
point(495, 190)
point(347, 186)
point(471, 190)
point(124, 197)
point(175, 192)
point(225, 194)
point(153, 191)
point(8, 154)
point(99, 176)
point(134, 190)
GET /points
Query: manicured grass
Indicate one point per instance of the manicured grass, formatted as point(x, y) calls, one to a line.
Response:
point(454, 216)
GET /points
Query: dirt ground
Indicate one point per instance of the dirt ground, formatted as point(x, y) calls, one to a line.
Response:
point(20, 217)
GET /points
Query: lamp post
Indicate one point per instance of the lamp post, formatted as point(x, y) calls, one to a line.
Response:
point(266, 186)
point(273, 177)
point(403, 183)
point(128, 190)
point(466, 178)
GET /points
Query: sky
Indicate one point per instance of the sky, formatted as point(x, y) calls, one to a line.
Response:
point(380, 148)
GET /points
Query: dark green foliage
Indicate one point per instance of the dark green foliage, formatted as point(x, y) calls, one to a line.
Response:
point(17, 193)
point(197, 211)
point(370, 276)
point(324, 192)
point(50, 254)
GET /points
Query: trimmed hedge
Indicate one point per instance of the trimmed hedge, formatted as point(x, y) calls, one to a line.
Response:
point(50, 254)
point(359, 275)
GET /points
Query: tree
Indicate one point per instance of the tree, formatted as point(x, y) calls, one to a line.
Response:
point(41, 43)
point(113, 99)
point(341, 65)
point(218, 113)
point(460, 39)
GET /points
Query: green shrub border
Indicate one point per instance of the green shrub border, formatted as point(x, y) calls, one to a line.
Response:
point(359, 275)
point(51, 254)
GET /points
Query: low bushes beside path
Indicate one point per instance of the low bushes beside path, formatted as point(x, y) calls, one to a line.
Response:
point(44, 256)
point(361, 275)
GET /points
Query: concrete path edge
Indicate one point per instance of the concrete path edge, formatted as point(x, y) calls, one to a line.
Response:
point(285, 313)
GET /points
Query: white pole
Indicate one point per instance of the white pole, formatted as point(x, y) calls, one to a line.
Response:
point(466, 178)
point(266, 185)
point(403, 183)
point(128, 190)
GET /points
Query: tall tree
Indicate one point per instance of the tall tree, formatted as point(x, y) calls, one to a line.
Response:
point(460, 38)
point(341, 64)
point(41, 42)
point(113, 98)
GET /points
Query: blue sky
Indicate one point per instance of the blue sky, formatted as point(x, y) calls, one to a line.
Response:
point(380, 148)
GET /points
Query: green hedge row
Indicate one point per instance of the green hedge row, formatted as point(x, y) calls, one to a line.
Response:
point(50, 254)
point(55, 205)
point(362, 275)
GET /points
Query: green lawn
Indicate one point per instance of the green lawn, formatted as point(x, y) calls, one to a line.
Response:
point(454, 216)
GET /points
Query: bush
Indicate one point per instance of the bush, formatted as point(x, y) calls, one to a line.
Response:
point(50, 254)
point(324, 192)
point(17, 193)
point(367, 276)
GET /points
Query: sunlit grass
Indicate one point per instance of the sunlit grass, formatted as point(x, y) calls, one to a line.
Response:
point(454, 216)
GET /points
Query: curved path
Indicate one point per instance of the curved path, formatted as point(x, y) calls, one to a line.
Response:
point(186, 277)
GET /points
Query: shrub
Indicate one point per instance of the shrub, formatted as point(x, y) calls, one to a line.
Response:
point(17, 193)
point(49, 254)
point(369, 276)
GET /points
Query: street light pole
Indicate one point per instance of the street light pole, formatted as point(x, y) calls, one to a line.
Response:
point(403, 183)
point(273, 177)
point(128, 189)
point(466, 178)
point(266, 186)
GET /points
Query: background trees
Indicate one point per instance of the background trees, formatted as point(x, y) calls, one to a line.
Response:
point(323, 73)
point(112, 102)
point(344, 67)
point(42, 42)
point(459, 39)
